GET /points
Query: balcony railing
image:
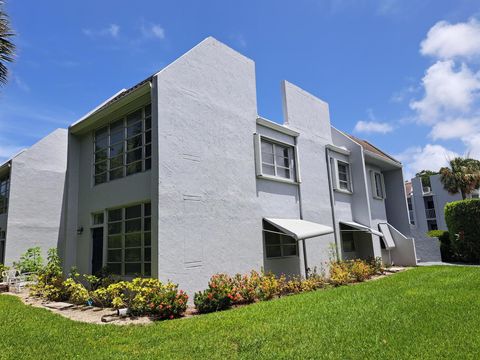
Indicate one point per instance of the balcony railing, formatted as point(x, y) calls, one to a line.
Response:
point(430, 213)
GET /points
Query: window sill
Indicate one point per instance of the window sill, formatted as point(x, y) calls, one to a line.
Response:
point(281, 257)
point(278, 179)
point(378, 198)
point(343, 191)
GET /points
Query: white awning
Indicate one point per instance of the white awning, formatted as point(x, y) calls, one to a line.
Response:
point(300, 229)
point(362, 227)
point(387, 236)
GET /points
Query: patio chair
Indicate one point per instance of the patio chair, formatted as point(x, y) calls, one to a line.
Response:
point(9, 274)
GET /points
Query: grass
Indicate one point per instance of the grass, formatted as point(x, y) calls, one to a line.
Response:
point(424, 313)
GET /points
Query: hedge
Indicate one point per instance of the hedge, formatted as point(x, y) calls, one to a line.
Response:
point(463, 222)
point(446, 250)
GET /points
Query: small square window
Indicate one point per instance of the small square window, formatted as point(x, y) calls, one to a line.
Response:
point(97, 219)
point(278, 244)
point(276, 159)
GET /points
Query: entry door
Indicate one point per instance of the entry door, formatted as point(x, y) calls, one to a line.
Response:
point(97, 249)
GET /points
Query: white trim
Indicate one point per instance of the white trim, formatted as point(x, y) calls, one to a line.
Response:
point(336, 178)
point(277, 127)
point(373, 184)
point(338, 149)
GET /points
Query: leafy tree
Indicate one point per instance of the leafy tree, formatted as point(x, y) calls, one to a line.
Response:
point(462, 176)
point(31, 261)
point(425, 175)
point(7, 48)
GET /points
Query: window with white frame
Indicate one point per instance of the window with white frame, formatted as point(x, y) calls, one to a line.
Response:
point(4, 190)
point(129, 240)
point(378, 187)
point(277, 159)
point(123, 147)
point(277, 243)
point(343, 181)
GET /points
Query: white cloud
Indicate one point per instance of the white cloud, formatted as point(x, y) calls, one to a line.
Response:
point(447, 90)
point(153, 31)
point(373, 127)
point(112, 30)
point(455, 129)
point(430, 157)
point(446, 41)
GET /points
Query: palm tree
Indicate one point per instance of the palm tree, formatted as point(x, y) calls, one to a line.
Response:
point(462, 176)
point(7, 48)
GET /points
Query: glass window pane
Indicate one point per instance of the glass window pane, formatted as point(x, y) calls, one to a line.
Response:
point(282, 161)
point(101, 143)
point(115, 269)
point(115, 215)
point(134, 129)
point(274, 251)
point(147, 254)
point(147, 239)
point(134, 117)
point(98, 219)
point(148, 269)
point(116, 162)
point(133, 212)
point(116, 137)
point(101, 133)
point(134, 142)
point(148, 137)
point(148, 151)
point(284, 173)
point(114, 255)
point(289, 250)
point(148, 110)
point(288, 239)
point(115, 242)
point(133, 225)
point(343, 185)
point(114, 228)
point(99, 179)
point(271, 238)
point(116, 149)
point(267, 147)
point(268, 169)
point(101, 155)
point(133, 254)
point(134, 168)
point(133, 268)
point(148, 123)
point(134, 155)
point(148, 164)
point(116, 174)
point(133, 240)
point(267, 158)
point(147, 224)
point(100, 167)
point(117, 126)
point(148, 209)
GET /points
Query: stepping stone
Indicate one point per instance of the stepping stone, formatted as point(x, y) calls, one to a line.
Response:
point(59, 305)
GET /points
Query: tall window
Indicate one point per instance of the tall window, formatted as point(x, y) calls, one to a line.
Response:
point(378, 188)
point(4, 190)
point(277, 160)
point(278, 244)
point(124, 147)
point(2, 246)
point(410, 211)
point(129, 240)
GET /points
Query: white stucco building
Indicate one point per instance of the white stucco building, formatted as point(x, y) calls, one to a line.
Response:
point(426, 206)
point(32, 186)
point(179, 178)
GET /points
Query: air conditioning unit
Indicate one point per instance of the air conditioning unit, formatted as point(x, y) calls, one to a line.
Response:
point(426, 189)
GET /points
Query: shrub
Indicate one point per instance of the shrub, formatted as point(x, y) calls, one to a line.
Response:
point(144, 297)
point(446, 249)
point(2, 269)
point(76, 292)
point(30, 262)
point(339, 273)
point(360, 270)
point(462, 218)
point(346, 271)
point(50, 279)
point(220, 294)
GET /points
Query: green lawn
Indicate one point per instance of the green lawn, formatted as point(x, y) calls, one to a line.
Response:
point(425, 313)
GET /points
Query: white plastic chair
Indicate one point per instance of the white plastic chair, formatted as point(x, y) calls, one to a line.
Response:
point(7, 275)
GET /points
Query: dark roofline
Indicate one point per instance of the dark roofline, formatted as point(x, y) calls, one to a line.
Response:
point(365, 145)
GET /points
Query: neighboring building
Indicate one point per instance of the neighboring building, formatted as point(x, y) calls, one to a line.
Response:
point(426, 212)
point(31, 197)
point(179, 178)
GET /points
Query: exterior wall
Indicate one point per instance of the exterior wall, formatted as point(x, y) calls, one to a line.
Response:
point(395, 201)
point(310, 117)
point(441, 198)
point(36, 201)
point(84, 198)
point(208, 218)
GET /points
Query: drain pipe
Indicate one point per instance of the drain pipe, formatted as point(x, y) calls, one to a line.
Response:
point(329, 173)
point(300, 207)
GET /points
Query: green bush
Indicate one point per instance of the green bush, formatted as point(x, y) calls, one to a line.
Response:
point(2, 269)
point(446, 250)
point(346, 271)
point(463, 219)
point(219, 295)
point(50, 279)
point(30, 262)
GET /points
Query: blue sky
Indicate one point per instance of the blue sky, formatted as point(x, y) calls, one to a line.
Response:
point(401, 74)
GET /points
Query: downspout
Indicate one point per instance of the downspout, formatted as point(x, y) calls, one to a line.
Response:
point(300, 210)
point(327, 158)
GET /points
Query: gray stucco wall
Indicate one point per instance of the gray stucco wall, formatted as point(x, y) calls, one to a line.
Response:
point(395, 201)
point(37, 197)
